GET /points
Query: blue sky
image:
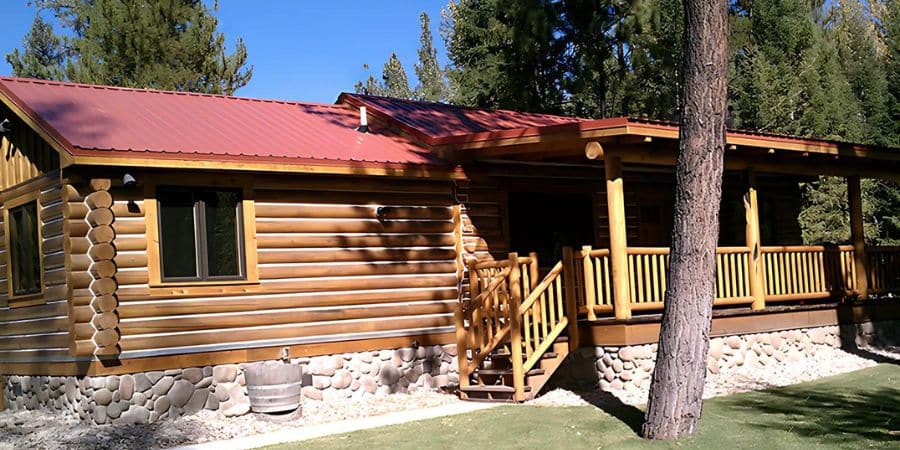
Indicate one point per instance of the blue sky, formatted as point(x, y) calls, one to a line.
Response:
point(300, 50)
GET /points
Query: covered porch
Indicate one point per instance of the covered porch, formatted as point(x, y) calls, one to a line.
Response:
point(610, 290)
point(620, 271)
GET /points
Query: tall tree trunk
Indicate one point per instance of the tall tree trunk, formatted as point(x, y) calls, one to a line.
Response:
point(676, 392)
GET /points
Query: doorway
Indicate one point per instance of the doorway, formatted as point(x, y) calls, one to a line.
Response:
point(545, 222)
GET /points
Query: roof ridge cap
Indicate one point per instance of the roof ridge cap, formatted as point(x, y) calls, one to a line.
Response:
point(470, 108)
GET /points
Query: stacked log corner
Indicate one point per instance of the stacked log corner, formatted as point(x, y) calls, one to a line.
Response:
point(102, 269)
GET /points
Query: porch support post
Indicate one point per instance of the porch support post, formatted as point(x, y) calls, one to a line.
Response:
point(858, 236)
point(755, 267)
point(618, 236)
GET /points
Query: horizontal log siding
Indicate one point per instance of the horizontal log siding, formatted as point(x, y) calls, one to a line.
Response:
point(39, 332)
point(330, 269)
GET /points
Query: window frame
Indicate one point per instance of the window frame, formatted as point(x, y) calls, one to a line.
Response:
point(201, 238)
point(30, 298)
point(191, 183)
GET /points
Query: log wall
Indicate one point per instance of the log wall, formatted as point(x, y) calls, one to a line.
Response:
point(338, 259)
point(35, 328)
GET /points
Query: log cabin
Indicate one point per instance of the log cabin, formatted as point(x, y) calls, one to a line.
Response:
point(154, 240)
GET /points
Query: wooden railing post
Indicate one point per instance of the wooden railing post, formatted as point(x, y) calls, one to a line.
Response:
point(534, 271)
point(858, 236)
point(515, 326)
point(590, 293)
point(462, 358)
point(472, 338)
point(618, 236)
point(571, 298)
point(755, 267)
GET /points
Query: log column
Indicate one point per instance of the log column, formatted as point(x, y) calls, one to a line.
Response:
point(858, 236)
point(755, 267)
point(103, 269)
point(618, 236)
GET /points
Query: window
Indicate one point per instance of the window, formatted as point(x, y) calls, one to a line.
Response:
point(200, 234)
point(25, 250)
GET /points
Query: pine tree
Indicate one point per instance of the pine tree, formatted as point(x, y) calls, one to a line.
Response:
point(657, 29)
point(891, 38)
point(393, 83)
point(855, 38)
point(370, 87)
point(44, 55)
point(394, 79)
point(166, 44)
point(432, 82)
point(505, 54)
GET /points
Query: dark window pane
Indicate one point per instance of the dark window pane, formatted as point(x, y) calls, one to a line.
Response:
point(24, 249)
point(223, 250)
point(177, 235)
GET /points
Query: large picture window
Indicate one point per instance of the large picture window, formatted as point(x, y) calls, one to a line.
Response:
point(200, 233)
point(24, 249)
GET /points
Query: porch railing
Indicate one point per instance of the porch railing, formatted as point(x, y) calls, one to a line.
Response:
point(543, 314)
point(789, 273)
point(808, 272)
point(487, 311)
point(884, 269)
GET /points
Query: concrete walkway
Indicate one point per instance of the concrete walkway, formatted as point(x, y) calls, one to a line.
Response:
point(343, 426)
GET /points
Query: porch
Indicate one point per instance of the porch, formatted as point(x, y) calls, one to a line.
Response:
point(532, 322)
point(531, 314)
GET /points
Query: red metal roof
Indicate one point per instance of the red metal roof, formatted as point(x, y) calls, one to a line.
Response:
point(439, 123)
point(89, 119)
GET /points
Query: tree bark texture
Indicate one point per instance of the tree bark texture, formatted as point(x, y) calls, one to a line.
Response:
point(676, 391)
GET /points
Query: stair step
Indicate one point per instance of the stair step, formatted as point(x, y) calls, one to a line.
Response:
point(508, 372)
point(493, 389)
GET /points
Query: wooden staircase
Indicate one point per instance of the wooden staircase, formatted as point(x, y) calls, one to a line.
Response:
point(511, 332)
point(493, 379)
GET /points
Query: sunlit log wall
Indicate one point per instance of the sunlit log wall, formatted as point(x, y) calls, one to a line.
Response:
point(35, 327)
point(338, 259)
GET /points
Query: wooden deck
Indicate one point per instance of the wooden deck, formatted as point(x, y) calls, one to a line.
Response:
point(599, 303)
point(644, 329)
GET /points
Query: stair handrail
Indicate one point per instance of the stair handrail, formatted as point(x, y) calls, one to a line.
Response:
point(544, 316)
point(471, 314)
point(547, 309)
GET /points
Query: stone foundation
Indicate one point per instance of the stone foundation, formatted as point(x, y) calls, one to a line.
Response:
point(150, 396)
point(630, 368)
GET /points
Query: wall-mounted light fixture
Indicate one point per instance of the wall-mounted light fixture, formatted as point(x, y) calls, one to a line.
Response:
point(380, 212)
point(5, 128)
point(129, 181)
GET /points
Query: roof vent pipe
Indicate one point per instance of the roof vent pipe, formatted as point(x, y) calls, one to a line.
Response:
point(363, 120)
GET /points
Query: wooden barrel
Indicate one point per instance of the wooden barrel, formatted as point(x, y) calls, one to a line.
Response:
point(273, 386)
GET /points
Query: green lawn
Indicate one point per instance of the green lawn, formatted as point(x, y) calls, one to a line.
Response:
point(855, 410)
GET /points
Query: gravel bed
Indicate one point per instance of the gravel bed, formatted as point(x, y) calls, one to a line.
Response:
point(826, 362)
point(42, 430)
